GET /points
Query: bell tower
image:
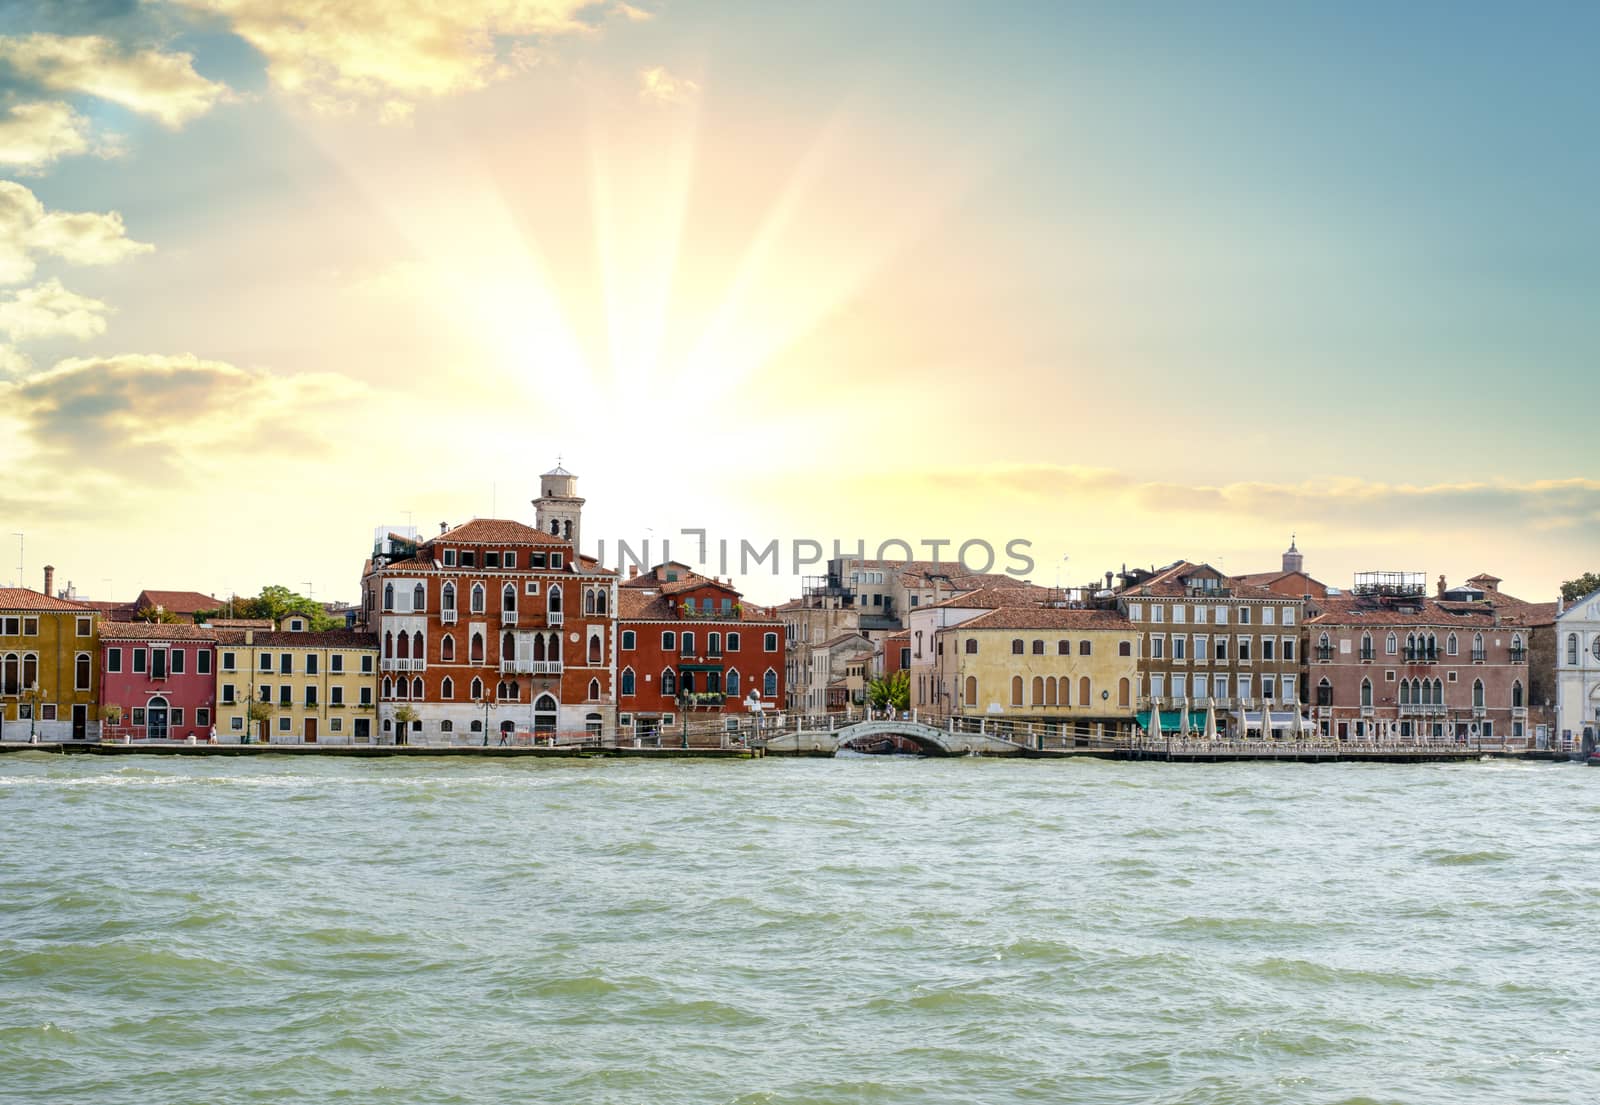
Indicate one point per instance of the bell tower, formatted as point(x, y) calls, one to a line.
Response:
point(558, 510)
point(1292, 560)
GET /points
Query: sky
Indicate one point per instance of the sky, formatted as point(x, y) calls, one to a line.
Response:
point(1130, 283)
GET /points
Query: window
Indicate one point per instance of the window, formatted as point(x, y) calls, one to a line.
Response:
point(85, 627)
point(1124, 692)
point(972, 646)
point(555, 560)
point(1083, 690)
point(733, 642)
point(447, 648)
point(477, 690)
point(1016, 646)
point(1267, 615)
point(286, 663)
point(447, 688)
point(1016, 690)
point(336, 695)
point(419, 598)
point(311, 696)
point(1267, 650)
point(511, 560)
point(629, 640)
point(1477, 694)
point(713, 644)
point(449, 558)
point(531, 587)
point(1135, 611)
point(266, 690)
point(366, 696)
point(137, 714)
point(311, 663)
point(1124, 648)
point(1244, 650)
point(1244, 686)
point(1158, 613)
point(447, 598)
point(477, 648)
point(283, 724)
point(1572, 650)
point(686, 641)
point(227, 694)
point(508, 599)
point(1288, 650)
point(366, 665)
point(158, 663)
point(388, 596)
point(477, 598)
point(669, 640)
point(1516, 695)
point(491, 559)
point(178, 663)
point(1366, 692)
point(469, 558)
point(769, 684)
point(81, 670)
point(1267, 685)
point(1222, 615)
point(627, 681)
point(336, 663)
point(1324, 693)
point(236, 723)
point(1038, 648)
point(594, 690)
point(1085, 647)
point(114, 660)
point(286, 695)
point(669, 682)
point(1063, 648)
point(1391, 645)
point(1244, 615)
point(1158, 646)
point(770, 642)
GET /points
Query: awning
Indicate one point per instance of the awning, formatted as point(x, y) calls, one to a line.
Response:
point(1171, 720)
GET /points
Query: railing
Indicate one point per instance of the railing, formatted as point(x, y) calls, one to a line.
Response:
point(1324, 653)
point(448, 617)
point(394, 664)
point(554, 617)
point(1421, 655)
point(520, 666)
point(1479, 655)
point(1519, 655)
point(1366, 655)
point(1422, 709)
point(508, 617)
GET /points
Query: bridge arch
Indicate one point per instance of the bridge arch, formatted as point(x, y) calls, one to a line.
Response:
point(930, 741)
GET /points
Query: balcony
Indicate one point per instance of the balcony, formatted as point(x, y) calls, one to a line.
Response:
point(1519, 656)
point(389, 663)
point(1324, 653)
point(554, 617)
point(508, 617)
point(530, 667)
point(1420, 655)
point(1479, 655)
point(1366, 655)
point(1418, 709)
point(448, 617)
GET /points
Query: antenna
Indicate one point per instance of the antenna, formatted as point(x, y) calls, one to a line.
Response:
point(311, 591)
point(21, 571)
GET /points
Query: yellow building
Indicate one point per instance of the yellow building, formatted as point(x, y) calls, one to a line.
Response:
point(314, 688)
point(49, 672)
point(1075, 668)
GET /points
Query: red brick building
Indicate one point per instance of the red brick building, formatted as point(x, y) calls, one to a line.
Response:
point(494, 626)
point(1386, 661)
point(689, 644)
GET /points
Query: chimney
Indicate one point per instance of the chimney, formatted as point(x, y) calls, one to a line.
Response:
point(443, 527)
point(50, 580)
point(633, 571)
point(1108, 581)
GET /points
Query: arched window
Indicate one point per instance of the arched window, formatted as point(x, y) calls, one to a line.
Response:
point(544, 714)
point(1083, 691)
point(447, 726)
point(669, 682)
point(1451, 646)
point(1477, 694)
point(1438, 693)
point(1049, 691)
point(1016, 683)
point(600, 601)
point(1038, 688)
point(555, 527)
point(477, 598)
point(1595, 646)
point(1477, 646)
point(447, 597)
point(1322, 641)
point(627, 680)
point(416, 688)
point(972, 690)
point(588, 600)
point(388, 687)
point(1405, 692)
point(1516, 646)
point(1572, 650)
point(769, 684)
point(733, 684)
point(1064, 690)
point(1391, 646)
point(1324, 693)
point(388, 596)
point(555, 646)
point(388, 644)
point(405, 646)
point(508, 599)
point(594, 690)
point(447, 648)
point(447, 689)
point(419, 597)
point(477, 726)
point(81, 671)
point(594, 648)
point(554, 598)
point(388, 725)
point(417, 651)
point(477, 648)
point(1124, 692)
point(1366, 646)
point(1516, 694)
point(477, 690)
point(972, 645)
point(1366, 692)
point(508, 646)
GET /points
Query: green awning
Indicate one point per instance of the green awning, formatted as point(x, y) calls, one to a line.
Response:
point(1170, 720)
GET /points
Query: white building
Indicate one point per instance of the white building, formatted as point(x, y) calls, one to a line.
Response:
point(1578, 674)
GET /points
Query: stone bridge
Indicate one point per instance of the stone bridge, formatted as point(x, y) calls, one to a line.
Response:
point(825, 736)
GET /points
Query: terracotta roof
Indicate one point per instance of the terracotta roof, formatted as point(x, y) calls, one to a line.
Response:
point(1167, 583)
point(991, 598)
point(636, 605)
point(843, 637)
point(155, 631)
point(333, 638)
point(20, 598)
point(241, 623)
point(496, 531)
point(179, 602)
point(1046, 617)
point(1363, 610)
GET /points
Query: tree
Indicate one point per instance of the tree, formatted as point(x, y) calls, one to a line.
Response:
point(276, 603)
point(1586, 584)
point(891, 691)
point(404, 716)
point(155, 614)
point(258, 711)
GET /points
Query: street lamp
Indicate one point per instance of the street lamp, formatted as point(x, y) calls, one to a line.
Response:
point(36, 694)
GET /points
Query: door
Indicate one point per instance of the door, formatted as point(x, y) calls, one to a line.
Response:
point(363, 730)
point(80, 723)
point(155, 719)
point(311, 730)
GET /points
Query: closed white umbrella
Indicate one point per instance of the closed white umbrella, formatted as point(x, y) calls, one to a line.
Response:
point(1211, 719)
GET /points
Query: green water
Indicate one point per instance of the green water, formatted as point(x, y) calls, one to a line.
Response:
point(778, 932)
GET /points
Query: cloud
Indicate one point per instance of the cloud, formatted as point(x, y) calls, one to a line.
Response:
point(633, 14)
point(13, 362)
point(50, 311)
point(28, 231)
point(149, 81)
point(658, 86)
point(340, 54)
point(162, 415)
point(33, 135)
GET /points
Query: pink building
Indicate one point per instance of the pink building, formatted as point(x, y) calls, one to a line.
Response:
point(163, 677)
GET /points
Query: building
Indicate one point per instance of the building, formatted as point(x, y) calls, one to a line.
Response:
point(809, 623)
point(894, 654)
point(689, 646)
point(1577, 630)
point(1076, 667)
point(493, 626)
point(884, 592)
point(49, 680)
point(1205, 636)
point(1385, 662)
point(319, 687)
point(183, 604)
point(157, 682)
point(932, 692)
point(840, 669)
